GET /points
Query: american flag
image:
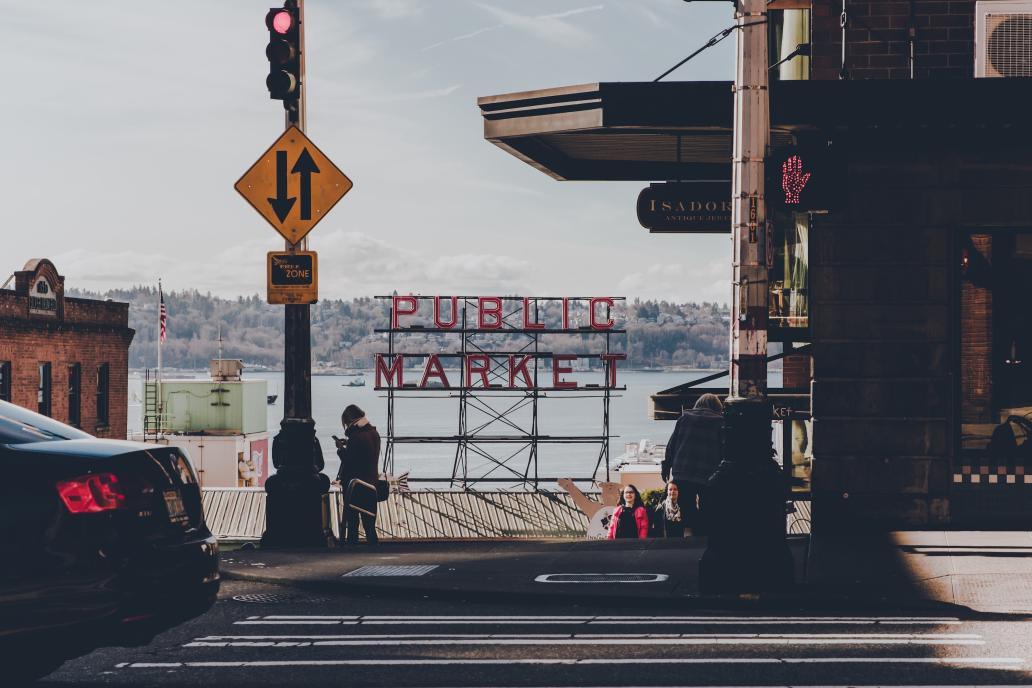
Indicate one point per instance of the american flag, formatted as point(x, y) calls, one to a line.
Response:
point(163, 315)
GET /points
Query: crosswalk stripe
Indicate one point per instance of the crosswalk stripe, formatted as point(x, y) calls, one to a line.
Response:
point(596, 620)
point(1001, 663)
point(631, 636)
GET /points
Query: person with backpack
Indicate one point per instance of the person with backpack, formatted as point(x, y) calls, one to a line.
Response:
point(694, 451)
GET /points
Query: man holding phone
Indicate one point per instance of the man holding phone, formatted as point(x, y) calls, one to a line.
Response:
point(359, 454)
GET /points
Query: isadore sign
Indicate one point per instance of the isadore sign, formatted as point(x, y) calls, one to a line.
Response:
point(686, 207)
point(483, 315)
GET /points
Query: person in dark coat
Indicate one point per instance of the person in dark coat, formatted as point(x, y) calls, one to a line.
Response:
point(359, 455)
point(668, 519)
point(694, 451)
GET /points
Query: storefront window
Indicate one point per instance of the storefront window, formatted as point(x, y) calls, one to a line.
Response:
point(793, 445)
point(789, 278)
point(996, 347)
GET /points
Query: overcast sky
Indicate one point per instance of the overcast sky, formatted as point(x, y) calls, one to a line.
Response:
point(127, 123)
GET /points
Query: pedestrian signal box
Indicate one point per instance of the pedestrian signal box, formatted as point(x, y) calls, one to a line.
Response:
point(293, 277)
point(806, 177)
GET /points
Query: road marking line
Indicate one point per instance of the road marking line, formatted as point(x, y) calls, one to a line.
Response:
point(295, 623)
point(1006, 663)
point(591, 620)
point(638, 642)
point(549, 636)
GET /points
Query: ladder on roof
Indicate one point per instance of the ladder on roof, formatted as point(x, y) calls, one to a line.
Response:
point(151, 417)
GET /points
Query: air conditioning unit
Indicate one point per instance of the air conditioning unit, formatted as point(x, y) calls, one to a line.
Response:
point(1003, 38)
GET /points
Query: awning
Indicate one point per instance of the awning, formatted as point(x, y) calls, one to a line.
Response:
point(670, 131)
point(617, 131)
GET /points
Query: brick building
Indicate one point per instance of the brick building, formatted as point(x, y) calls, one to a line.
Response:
point(902, 306)
point(64, 357)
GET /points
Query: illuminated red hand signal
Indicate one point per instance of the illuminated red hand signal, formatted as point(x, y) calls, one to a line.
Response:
point(793, 180)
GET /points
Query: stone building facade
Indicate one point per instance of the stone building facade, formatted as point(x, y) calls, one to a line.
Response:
point(65, 357)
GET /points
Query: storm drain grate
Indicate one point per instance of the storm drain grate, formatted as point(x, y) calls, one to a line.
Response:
point(601, 578)
point(417, 570)
point(275, 598)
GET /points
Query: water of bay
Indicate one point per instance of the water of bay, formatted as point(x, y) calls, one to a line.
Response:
point(437, 414)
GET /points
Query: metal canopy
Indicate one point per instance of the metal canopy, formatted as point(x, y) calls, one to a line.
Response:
point(683, 130)
point(617, 131)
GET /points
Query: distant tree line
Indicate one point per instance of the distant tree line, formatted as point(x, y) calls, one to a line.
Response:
point(659, 333)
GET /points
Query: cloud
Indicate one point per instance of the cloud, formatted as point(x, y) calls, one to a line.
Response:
point(366, 98)
point(395, 9)
point(679, 282)
point(350, 264)
point(547, 27)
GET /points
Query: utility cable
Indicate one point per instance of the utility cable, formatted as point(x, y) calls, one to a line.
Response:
point(801, 50)
point(716, 38)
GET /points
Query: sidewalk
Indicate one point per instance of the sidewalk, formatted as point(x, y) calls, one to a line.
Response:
point(986, 572)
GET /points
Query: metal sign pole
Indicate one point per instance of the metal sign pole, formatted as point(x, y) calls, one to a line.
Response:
point(294, 514)
point(748, 222)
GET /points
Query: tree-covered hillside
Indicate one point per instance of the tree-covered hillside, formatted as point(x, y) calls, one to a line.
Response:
point(659, 333)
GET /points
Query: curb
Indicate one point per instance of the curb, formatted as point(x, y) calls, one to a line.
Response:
point(805, 598)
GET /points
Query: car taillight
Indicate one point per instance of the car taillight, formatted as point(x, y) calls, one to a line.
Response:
point(92, 493)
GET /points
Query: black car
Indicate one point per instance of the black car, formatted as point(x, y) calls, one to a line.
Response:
point(102, 542)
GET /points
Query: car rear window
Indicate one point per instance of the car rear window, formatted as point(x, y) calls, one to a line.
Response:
point(21, 426)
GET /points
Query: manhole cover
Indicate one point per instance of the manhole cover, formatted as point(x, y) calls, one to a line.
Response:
point(601, 578)
point(418, 570)
point(275, 598)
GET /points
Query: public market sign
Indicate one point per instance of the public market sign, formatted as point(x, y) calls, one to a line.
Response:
point(686, 208)
point(509, 369)
point(293, 185)
point(292, 277)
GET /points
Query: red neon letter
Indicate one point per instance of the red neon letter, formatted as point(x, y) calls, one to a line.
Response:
point(481, 370)
point(494, 310)
point(397, 368)
point(609, 361)
point(438, 320)
point(566, 313)
point(521, 369)
point(434, 369)
point(558, 370)
point(397, 309)
point(595, 324)
point(527, 324)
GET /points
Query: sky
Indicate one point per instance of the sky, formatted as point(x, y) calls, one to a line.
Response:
point(127, 123)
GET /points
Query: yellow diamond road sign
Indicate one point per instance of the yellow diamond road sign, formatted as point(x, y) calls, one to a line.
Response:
point(293, 185)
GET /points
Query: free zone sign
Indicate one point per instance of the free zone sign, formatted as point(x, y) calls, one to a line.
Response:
point(292, 277)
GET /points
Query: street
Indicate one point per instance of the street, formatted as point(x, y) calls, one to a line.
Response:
point(259, 634)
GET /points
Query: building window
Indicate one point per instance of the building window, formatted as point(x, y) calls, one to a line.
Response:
point(43, 391)
point(996, 348)
point(789, 276)
point(103, 374)
point(5, 380)
point(75, 394)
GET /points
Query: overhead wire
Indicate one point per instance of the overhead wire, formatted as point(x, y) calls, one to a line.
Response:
point(716, 38)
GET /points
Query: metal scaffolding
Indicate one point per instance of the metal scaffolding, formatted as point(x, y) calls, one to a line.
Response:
point(491, 423)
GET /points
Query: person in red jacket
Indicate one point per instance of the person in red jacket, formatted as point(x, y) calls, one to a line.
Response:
point(631, 519)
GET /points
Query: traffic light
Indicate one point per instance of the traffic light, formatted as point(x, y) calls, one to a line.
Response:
point(284, 53)
point(807, 176)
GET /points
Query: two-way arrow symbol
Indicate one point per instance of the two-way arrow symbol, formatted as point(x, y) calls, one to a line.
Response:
point(305, 166)
point(283, 204)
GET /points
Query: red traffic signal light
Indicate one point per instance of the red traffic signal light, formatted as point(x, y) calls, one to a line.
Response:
point(284, 54)
point(280, 21)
